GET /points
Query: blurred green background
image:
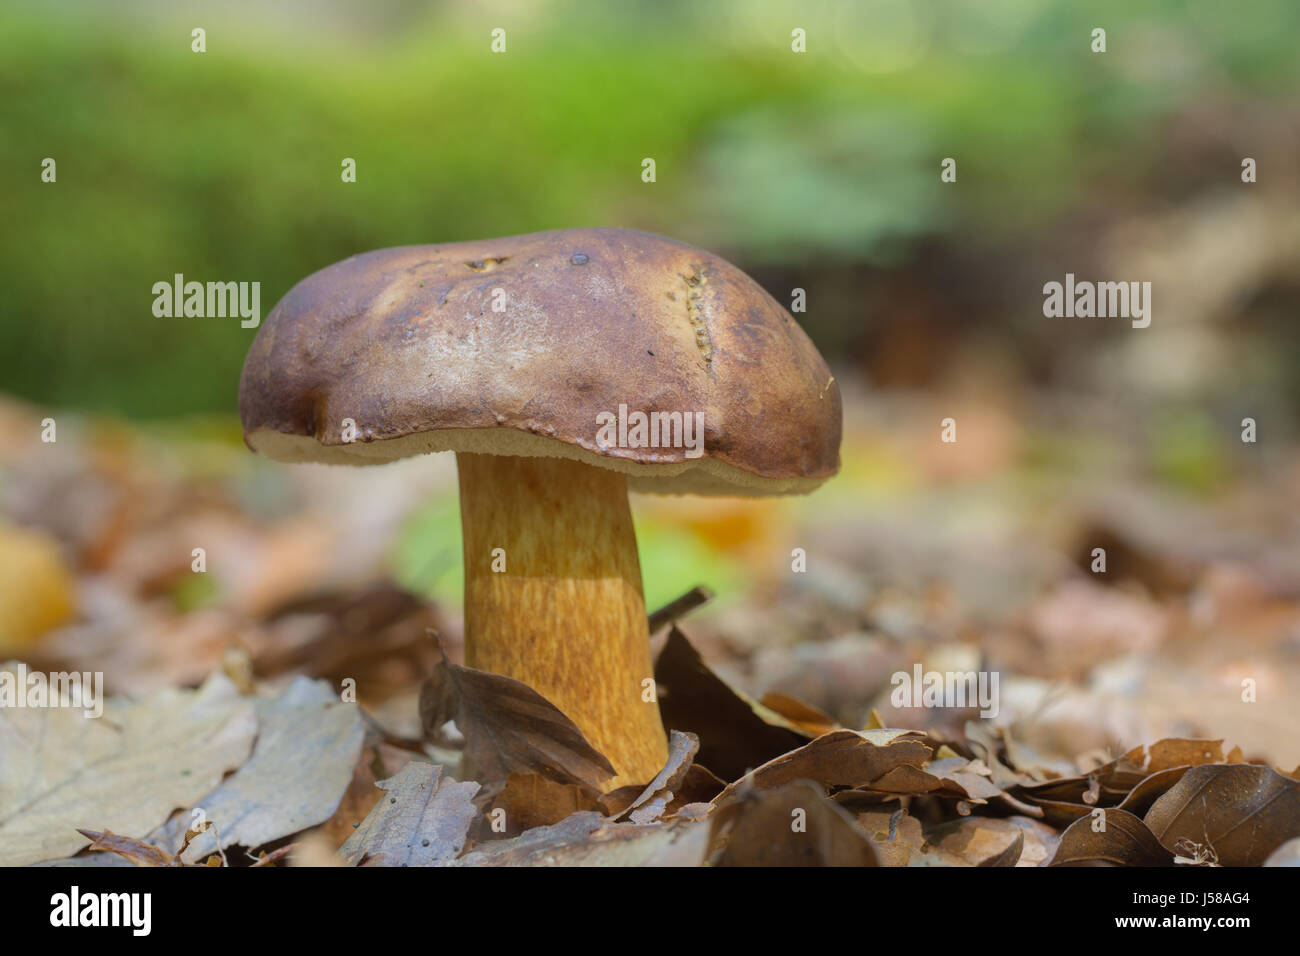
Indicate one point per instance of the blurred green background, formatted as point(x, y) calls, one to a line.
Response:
point(817, 171)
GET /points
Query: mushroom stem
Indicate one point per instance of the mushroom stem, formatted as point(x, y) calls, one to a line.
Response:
point(566, 615)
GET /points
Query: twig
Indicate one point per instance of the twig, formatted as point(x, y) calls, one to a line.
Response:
point(679, 608)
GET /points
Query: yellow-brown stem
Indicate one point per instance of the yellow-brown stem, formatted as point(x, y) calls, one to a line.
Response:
point(566, 615)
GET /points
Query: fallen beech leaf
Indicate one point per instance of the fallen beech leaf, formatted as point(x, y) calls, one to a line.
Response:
point(1126, 841)
point(307, 747)
point(508, 727)
point(1141, 797)
point(422, 820)
point(126, 770)
point(1243, 812)
point(844, 758)
point(735, 732)
point(792, 825)
point(590, 839)
point(139, 853)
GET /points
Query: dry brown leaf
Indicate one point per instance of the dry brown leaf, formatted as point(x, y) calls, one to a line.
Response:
point(792, 825)
point(811, 719)
point(979, 841)
point(1125, 841)
point(138, 852)
point(1041, 841)
point(1243, 812)
point(895, 835)
point(1140, 798)
point(508, 727)
point(125, 771)
point(735, 732)
point(844, 758)
point(422, 820)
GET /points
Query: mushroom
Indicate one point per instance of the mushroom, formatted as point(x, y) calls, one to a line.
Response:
point(564, 368)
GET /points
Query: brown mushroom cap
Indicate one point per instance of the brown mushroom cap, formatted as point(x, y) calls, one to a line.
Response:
point(406, 343)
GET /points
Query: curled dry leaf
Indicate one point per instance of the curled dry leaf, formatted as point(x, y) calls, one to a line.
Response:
point(682, 749)
point(1242, 812)
point(423, 820)
point(735, 732)
point(1124, 841)
point(843, 758)
point(137, 851)
point(508, 728)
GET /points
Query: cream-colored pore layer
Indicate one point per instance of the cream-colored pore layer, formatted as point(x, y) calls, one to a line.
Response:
point(702, 476)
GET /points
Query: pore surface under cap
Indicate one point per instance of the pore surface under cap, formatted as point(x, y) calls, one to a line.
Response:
point(407, 344)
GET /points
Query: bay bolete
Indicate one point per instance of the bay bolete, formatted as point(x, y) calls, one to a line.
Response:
point(564, 368)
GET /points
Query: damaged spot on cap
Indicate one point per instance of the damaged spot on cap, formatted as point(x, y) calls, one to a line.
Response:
point(695, 283)
point(487, 264)
point(579, 259)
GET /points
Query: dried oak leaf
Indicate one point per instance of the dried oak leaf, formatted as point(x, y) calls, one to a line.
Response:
point(792, 825)
point(307, 746)
point(590, 839)
point(735, 732)
point(508, 728)
point(842, 758)
point(1242, 811)
point(423, 820)
point(1125, 841)
point(125, 771)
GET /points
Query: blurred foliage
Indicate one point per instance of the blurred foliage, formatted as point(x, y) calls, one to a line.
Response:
point(226, 165)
